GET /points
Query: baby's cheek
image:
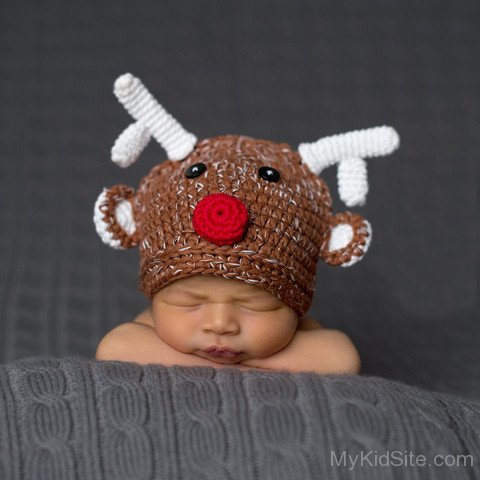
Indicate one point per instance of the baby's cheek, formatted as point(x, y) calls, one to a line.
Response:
point(171, 332)
point(270, 338)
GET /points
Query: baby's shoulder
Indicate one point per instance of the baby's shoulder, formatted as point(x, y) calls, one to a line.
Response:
point(117, 340)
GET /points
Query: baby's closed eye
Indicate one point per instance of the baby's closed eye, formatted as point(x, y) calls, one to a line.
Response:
point(248, 307)
point(259, 308)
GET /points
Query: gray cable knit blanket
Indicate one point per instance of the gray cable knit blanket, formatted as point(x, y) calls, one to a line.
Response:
point(79, 419)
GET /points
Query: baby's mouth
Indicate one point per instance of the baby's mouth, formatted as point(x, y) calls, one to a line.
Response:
point(216, 351)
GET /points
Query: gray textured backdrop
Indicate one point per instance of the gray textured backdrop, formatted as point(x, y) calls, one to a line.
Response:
point(280, 70)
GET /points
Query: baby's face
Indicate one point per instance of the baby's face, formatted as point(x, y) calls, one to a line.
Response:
point(195, 313)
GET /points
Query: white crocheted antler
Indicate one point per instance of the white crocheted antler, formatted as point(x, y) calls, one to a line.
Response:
point(349, 150)
point(151, 120)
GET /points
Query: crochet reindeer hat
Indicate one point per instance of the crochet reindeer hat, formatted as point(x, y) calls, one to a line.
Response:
point(236, 207)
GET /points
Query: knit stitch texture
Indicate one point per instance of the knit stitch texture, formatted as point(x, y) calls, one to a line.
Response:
point(224, 212)
point(79, 419)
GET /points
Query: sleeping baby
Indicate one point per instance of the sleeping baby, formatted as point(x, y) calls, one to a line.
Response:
point(230, 230)
point(212, 321)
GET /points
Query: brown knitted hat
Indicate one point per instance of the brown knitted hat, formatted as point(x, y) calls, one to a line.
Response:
point(236, 207)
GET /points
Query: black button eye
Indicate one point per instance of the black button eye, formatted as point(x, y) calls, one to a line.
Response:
point(269, 173)
point(195, 170)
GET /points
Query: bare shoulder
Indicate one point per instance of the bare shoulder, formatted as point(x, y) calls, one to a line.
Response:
point(342, 350)
point(114, 344)
point(125, 337)
point(334, 350)
point(138, 343)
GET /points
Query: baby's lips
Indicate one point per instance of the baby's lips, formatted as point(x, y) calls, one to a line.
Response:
point(220, 218)
point(216, 351)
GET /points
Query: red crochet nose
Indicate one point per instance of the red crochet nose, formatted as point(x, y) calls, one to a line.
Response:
point(220, 218)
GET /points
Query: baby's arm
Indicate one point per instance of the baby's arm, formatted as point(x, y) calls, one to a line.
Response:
point(318, 350)
point(139, 343)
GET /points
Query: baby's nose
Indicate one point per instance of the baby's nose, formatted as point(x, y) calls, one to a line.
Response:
point(220, 218)
point(221, 325)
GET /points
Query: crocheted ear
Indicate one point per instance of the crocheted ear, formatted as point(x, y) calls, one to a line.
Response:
point(346, 240)
point(113, 217)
